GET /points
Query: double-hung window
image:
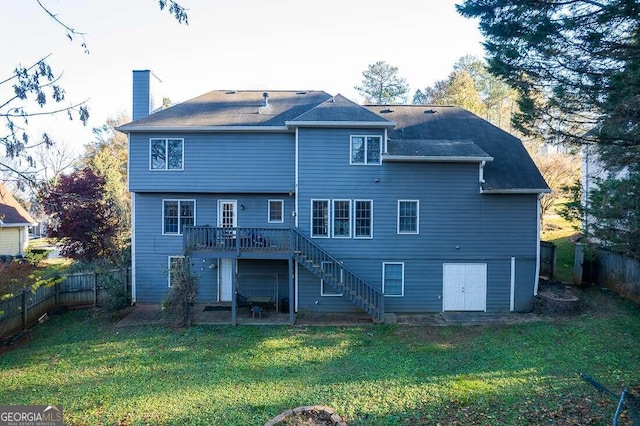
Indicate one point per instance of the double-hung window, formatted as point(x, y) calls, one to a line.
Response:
point(408, 216)
point(176, 214)
point(363, 218)
point(393, 278)
point(176, 268)
point(366, 150)
point(276, 211)
point(166, 154)
point(320, 218)
point(341, 218)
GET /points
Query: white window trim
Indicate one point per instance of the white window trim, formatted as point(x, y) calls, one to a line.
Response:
point(179, 200)
point(328, 218)
point(322, 293)
point(269, 211)
point(166, 162)
point(362, 237)
point(169, 268)
point(417, 231)
point(384, 265)
point(333, 227)
point(365, 163)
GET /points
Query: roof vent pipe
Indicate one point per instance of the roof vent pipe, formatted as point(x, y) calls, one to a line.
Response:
point(265, 99)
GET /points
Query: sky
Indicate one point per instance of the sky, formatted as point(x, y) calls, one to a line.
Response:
point(228, 44)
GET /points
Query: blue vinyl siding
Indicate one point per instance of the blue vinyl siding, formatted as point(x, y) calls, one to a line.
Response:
point(456, 224)
point(152, 248)
point(221, 162)
point(141, 93)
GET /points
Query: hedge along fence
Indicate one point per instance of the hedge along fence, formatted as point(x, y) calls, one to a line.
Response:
point(105, 288)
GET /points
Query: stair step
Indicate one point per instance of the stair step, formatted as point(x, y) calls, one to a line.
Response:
point(361, 294)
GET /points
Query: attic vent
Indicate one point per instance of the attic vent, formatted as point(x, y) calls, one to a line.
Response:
point(231, 92)
point(301, 92)
point(387, 111)
point(430, 111)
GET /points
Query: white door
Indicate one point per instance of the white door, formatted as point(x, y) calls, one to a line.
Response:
point(464, 287)
point(227, 213)
point(225, 280)
point(227, 218)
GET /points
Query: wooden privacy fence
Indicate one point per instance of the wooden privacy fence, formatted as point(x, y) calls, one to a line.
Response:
point(613, 270)
point(548, 256)
point(78, 289)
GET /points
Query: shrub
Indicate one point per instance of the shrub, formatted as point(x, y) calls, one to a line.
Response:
point(182, 295)
point(16, 276)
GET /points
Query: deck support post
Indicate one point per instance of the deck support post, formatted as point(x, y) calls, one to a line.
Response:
point(292, 318)
point(234, 292)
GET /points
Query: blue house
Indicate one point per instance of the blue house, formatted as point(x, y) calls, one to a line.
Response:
point(313, 200)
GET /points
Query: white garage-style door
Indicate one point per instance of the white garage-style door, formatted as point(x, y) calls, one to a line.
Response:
point(465, 287)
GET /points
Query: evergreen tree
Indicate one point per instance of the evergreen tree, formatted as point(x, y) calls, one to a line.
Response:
point(382, 85)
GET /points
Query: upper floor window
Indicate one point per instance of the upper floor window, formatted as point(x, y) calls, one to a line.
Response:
point(366, 149)
point(320, 218)
point(276, 211)
point(363, 216)
point(176, 214)
point(408, 216)
point(166, 154)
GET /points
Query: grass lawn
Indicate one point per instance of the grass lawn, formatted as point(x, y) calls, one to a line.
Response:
point(371, 375)
point(557, 230)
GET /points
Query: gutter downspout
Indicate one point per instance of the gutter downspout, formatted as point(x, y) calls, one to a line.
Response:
point(295, 221)
point(537, 277)
point(133, 248)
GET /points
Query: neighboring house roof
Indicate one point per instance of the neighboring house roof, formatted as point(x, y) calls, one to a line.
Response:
point(434, 150)
point(339, 110)
point(11, 212)
point(231, 108)
point(512, 169)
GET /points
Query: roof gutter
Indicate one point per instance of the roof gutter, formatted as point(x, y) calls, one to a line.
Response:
point(183, 129)
point(435, 159)
point(342, 124)
point(516, 191)
point(17, 225)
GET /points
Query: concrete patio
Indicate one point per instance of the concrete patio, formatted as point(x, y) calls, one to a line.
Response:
point(151, 314)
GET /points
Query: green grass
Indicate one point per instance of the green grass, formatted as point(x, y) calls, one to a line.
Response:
point(557, 230)
point(372, 375)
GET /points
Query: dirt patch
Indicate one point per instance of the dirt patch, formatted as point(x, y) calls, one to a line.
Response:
point(310, 415)
point(15, 341)
point(311, 418)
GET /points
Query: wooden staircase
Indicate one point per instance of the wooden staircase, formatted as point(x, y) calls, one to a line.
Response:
point(329, 269)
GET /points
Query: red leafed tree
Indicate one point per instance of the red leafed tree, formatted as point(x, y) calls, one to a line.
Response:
point(83, 219)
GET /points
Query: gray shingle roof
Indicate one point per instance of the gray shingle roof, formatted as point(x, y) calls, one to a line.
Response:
point(11, 212)
point(512, 169)
point(340, 109)
point(435, 149)
point(426, 131)
point(233, 108)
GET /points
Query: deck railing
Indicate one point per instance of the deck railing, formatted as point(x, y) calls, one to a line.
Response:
point(232, 239)
point(307, 253)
